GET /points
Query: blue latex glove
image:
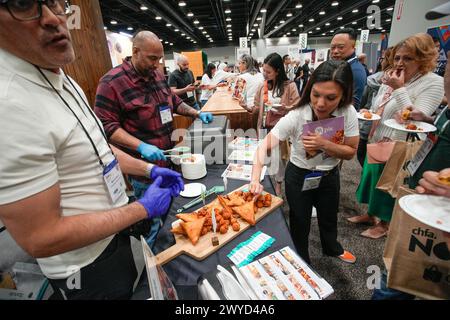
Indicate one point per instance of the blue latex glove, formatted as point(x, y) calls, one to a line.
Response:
point(170, 179)
point(150, 152)
point(156, 199)
point(206, 117)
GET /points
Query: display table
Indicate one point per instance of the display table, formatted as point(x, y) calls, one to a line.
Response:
point(185, 271)
point(222, 103)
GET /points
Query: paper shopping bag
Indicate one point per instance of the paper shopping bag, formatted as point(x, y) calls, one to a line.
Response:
point(416, 256)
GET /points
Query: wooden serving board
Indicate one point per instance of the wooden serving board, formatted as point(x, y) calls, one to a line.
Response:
point(204, 247)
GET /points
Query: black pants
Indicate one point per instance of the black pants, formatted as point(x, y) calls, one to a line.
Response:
point(362, 151)
point(325, 199)
point(110, 277)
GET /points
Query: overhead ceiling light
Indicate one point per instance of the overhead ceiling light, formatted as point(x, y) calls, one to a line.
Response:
point(389, 9)
point(255, 25)
point(311, 20)
point(113, 22)
point(331, 31)
point(323, 34)
point(334, 3)
point(355, 10)
point(228, 19)
point(177, 30)
point(228, 11)
point(322, 13)
point(188, 38)
point(294, 30)
point(171, 44)
point(200, 28)
point(168, 25)
point(190, 14)
point(130, 28)
point(258, 19)
point(282, 21)
point(166, 42)
point(105, 28)
point(289, 14)
point(204, 32)
point(182, 4)
point(143, 8)
point(388, 20)
point(276, 27)
point(354, 22)
point(183, 34)
point(158, 18)
point(196, 22)
point(300, 26)
point(228, 25)
point(327, 24)
point(342, 27)
point(288, 33)
point(310, 32)
point(298, 6)
point(318, 28)
point(375, 1)
point(340, 18)
point(254, 30)
point(383, 30)
point(359, 29)
point(263, 10)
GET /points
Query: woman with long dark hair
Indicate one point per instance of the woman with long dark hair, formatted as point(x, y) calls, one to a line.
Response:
point(273, 100)
point(208, 85)
point(315, 181)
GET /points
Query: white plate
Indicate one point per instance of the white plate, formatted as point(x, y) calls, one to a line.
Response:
point(430, 210)
point(375, 117)
point(426, 127)
point(193, 190)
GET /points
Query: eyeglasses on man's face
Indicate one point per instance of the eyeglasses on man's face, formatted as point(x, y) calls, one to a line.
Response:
point(28, 10)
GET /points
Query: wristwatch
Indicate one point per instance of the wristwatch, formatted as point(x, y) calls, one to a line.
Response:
point(198, 113)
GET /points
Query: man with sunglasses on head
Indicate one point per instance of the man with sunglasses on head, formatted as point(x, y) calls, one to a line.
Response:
point(62, 195)
point(136, 105)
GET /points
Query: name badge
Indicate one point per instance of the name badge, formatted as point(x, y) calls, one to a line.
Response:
point(190, 94)
point(312, 181)
point(114, 180)
point(423, 152)
point(166, 114)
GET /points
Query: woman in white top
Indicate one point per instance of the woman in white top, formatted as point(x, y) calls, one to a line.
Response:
point(208, 86)
point(253, 79)
point(329, 94)
point(410, 83)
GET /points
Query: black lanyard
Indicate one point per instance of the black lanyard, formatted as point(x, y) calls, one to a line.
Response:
point(78, 119)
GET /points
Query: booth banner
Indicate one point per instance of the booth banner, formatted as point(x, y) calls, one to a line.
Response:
point(441, 33)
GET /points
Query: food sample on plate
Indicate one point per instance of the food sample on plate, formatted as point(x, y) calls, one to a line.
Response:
point(412, 126)
point(444, 179)
point(230, 208)
point(190, 159)
point(367, 115)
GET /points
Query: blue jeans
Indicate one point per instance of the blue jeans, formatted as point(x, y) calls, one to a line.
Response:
point(156, 223)
point(385, 293)
point(196, 106)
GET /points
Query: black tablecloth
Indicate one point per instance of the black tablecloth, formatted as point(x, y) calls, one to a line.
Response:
point(185, 271)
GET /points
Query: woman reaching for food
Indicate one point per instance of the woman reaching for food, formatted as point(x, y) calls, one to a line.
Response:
point(329, 94)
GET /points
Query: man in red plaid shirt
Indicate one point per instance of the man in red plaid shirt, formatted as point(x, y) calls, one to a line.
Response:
point(136, 106)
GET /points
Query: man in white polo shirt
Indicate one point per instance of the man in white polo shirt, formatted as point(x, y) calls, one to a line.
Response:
point(62, 196)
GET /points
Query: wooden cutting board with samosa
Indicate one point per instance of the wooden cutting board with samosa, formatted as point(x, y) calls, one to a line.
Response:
point(234, 213)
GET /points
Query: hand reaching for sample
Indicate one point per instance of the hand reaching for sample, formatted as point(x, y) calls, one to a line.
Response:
point(151, 152)
point(156, 199)
point(435, 183)
point(255, 187)
point(395, 79)
point(170, 179)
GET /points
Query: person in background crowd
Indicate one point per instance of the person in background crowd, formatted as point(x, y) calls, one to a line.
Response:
point(327, 95)
point(208, 86)
point(363, 60)
point(298, 71)
point(279, 93)
point(253, 80)
point(442, 58)
point(222, 74)
point(370, 92)
point(343, 49)
point(287, 67)
point(54, 199)
point(136, 106)
point(306, 74)
point(411, 83)
point(182, 81)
